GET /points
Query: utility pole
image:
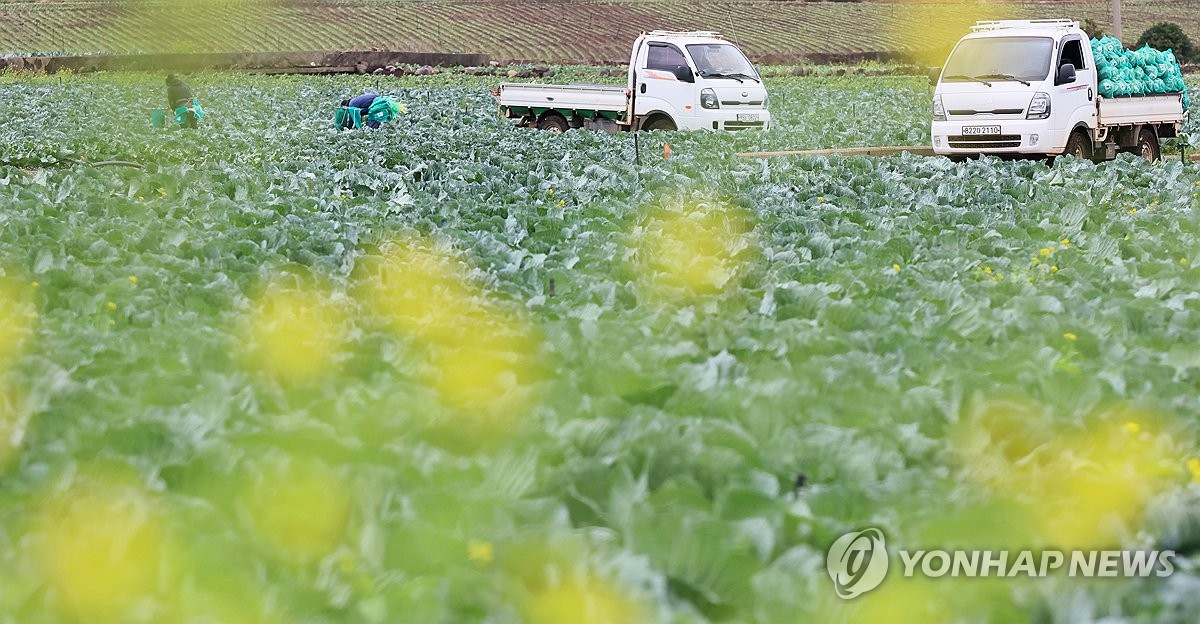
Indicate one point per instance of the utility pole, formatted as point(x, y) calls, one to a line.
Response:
point(1116, 18)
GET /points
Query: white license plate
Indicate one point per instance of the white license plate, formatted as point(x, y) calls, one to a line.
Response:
point(981, 130)
point(747, 117)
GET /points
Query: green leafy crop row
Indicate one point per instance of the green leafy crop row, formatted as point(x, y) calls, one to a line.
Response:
point(457, 371)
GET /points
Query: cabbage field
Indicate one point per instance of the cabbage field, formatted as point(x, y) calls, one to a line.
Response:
point(453, 371)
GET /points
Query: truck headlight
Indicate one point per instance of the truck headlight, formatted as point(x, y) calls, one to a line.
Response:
point(1039, 106)
point(708, 99)
point(939, 111)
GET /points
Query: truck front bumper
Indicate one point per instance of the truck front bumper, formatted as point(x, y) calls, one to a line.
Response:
point(734, 120)
point(1017, 136)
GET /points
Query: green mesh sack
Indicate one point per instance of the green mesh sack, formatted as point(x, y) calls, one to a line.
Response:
point(182, 112)
point(384, 109)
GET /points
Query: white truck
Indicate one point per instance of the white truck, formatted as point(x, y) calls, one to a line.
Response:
point(1029, 87)
point(676, 81)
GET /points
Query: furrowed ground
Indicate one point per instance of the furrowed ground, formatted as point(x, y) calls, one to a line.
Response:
point(542, 31)
point(456, 371)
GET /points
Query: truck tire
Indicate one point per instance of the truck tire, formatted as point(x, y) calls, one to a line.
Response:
point(1147, 144)
point(660, 122)
point(1078, 145)
point(554, 123)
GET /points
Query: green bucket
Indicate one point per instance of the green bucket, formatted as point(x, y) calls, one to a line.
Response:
point(158, 117)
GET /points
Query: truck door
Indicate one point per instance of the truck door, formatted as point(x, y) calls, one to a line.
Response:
point(658, 87)
point(1075, 101)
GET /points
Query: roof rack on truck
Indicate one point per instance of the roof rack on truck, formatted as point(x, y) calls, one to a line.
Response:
point(711, 34)
point(986, 25)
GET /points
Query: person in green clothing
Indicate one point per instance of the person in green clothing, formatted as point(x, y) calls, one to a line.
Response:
point(373, 110)
point(183, 102)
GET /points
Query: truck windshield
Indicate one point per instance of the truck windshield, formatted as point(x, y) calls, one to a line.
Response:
point(721, 60)
point(1000, 58)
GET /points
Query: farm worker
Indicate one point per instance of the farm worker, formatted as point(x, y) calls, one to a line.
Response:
point(374, 109)
point(183, 102)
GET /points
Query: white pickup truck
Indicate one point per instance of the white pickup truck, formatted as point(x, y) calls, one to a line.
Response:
point(676, 81)
point(1030, 87)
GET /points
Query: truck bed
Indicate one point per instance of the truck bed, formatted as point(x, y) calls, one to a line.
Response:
point(577, 96)
point(1140, 109)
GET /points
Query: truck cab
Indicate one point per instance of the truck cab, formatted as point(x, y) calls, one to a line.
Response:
point(694, 81)
point(1015, 87)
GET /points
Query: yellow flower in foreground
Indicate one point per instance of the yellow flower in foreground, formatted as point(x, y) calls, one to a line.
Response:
point(583, 601)
point(293, 333)
point(1133, 427)
point(481, 351)
point(102, 548)
point(896, 268)
point(692, 248)
point(1193, 466)
point(1077, 486)
point(1070, 336)
point(297, 506)
point(479, 553)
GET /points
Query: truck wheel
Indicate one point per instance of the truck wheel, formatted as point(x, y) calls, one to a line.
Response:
point(1078, 146)
point(1147, 144)
point(554, 123)
point(660, 122)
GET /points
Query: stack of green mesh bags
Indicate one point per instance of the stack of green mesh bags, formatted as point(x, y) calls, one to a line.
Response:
point(1136, 72)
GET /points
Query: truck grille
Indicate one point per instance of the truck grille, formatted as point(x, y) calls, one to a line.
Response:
point(984, 141)
point(743, 125)
point(756, 103)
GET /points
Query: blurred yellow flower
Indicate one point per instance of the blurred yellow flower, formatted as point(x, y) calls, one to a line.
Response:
point(583, 601)
point(896, 268)
point(691, 249)
point(1065, 242)
point(110, 305)
point(293, 334)
point(1078, 486)
point(299, 507)
point(1193, 466)
point(103, 548)
point(133, 279)
point(16, 312)
point(480, 553)
point(1133, 427)
point(481, 353)
point(1070, 337)
point(1045, 251)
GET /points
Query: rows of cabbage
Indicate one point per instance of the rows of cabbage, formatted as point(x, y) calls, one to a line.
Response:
point(455, 371)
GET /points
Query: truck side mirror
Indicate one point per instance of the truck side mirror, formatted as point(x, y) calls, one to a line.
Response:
point(934, 74)
point(1066, 74)
point(683, 73)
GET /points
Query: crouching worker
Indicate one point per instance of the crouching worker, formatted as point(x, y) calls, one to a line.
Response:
point(369, 109)
point(183, 102)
